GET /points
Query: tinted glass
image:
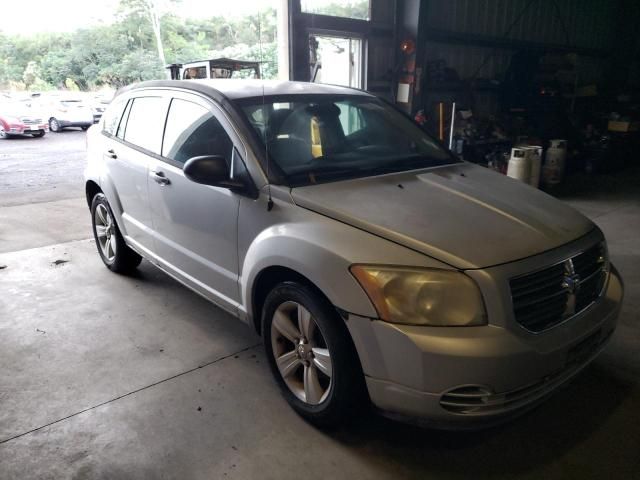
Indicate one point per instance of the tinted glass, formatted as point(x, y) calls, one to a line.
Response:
point(112, 116)
point(146, 122)
point(195, 73)
point(193, 131)
point(321, 138)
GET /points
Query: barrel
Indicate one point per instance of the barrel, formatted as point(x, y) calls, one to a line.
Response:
point(554, 162)
point(519, 166)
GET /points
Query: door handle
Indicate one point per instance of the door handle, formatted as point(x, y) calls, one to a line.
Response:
point(112, 154)
point(160, 178)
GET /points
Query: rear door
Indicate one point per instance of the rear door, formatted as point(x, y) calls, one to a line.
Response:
point(138, 138)
point(195, 226)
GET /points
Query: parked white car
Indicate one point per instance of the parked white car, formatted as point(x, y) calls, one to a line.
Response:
point(68, 112)
point(99, 104)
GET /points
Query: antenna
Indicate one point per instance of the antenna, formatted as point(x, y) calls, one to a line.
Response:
point(266, 117)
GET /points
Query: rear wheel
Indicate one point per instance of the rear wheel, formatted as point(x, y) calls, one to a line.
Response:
point(54, 125)
point(311, 355)
point(85, 128)
point(3, 134)
point(113, 250)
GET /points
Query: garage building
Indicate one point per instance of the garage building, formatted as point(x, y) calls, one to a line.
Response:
point(135, 376)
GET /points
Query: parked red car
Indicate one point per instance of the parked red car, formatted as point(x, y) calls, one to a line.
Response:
point(17, 119)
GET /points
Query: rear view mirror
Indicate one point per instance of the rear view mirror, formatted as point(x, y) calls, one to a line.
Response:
point(211, 170)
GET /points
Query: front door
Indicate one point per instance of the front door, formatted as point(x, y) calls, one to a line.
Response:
point(195, 226)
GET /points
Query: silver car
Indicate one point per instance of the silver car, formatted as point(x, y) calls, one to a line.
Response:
point(378, 268)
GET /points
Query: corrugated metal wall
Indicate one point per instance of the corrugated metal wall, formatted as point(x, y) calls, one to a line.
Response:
point(587, 24)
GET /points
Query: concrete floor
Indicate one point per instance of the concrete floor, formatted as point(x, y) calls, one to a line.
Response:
point(111, 377)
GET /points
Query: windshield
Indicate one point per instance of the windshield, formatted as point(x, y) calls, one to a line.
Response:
point(324, 138)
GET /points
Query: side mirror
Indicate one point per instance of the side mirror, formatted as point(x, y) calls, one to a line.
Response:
point(211, 170)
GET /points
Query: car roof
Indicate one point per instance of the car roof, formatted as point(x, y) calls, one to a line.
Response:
point(234, 89)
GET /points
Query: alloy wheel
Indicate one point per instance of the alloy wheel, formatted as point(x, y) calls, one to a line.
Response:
point(301, 353)
point(105, 232)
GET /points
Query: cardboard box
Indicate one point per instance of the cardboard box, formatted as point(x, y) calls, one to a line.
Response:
point(623, 126)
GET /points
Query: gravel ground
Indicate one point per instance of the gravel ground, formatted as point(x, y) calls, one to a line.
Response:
point(34, 170)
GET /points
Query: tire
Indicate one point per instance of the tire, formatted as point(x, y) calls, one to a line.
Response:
point(54, 125)
point(40, 134)
point(113, 250)
point(322, 379)
point(85, 128)
point(3, 134)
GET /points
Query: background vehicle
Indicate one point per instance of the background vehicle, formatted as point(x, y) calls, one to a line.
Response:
point(67, 112)
point(340, 230)
point(99, 104)
point(18, 119)
point(215, 68)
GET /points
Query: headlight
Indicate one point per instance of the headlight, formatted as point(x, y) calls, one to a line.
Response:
point(415, 296)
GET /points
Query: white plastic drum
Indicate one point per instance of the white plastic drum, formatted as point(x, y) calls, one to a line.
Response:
point(519, 166)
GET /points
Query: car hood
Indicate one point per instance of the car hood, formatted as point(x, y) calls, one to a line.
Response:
point(463, 214)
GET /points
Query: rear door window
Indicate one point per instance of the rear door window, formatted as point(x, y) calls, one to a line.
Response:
point(146, 123)
point(112, 116)
point(193, 131)
point(122, 126)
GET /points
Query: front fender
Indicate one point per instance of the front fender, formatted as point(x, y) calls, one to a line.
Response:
point(315, 246)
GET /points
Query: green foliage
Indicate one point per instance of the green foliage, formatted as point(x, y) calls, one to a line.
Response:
point(71, 85)
point(31, 73)
point(344, 8)
point(126, 52)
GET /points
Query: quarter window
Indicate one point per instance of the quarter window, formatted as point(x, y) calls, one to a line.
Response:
point(145, 123)
point(193, 131)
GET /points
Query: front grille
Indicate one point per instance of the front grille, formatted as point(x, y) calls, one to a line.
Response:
point(549, 296)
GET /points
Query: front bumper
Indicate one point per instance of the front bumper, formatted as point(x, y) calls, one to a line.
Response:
point(470, 377)
point(27, 129)
point(76, 123)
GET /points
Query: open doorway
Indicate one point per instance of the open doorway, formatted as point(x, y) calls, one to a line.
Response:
point(336, 60)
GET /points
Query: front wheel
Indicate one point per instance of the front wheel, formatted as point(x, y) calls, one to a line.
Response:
point(54, 125)
point(113, 250)
point(39, 134)
point(85, 128)
point(311, 355)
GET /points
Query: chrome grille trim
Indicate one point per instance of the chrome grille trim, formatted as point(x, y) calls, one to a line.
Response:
point(548, 297)
point(31, 121)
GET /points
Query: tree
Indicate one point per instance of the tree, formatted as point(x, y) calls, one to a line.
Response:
point(31, 74)
point(127, 50)
point(152, 10)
